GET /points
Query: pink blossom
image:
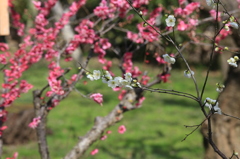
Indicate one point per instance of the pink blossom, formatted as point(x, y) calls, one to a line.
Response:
point(3, 59)
point(140, 101)
point(109, 132)
point(74, 77)
point(213, 13)
point(145, 79)
point(4, 46)
point(101, 11)
point(122, 94)
point(103, 137)
point(139, 3)
point(136, 72)
point(164, 77)
point(16, 19)
point(181, 2)
point(135, 37)
point(191, 7)
point(94, 152)
point(53, 81)
point(156, 12)
point(130, 17)
point(2, 128)
point(160, 60)
point(15, 155)
point(193, 22)
point(222, 35)
point(35, 122)
point(24, 86)
point(127, 61)
point(116, 89)
point(182, 26)
point(37, 4)
point(121, 129)
point(97, 97)
point(104, 11)
point(108, 66)
point(49, 93)
point(178, 11)
point(3, 113)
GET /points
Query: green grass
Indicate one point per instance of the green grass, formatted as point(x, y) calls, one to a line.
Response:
point(155, 131)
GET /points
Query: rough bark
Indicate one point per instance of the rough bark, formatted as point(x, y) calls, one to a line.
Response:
point(40, 111)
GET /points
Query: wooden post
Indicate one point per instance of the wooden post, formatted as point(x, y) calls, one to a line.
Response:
point(4, 18)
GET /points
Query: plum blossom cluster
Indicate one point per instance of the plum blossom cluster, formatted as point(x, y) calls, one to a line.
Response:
point(16, 19)
point(86, 35)
point(146, 33)
point(54, 82)
point(233, 61)
point(213, 105)
point(186, 22)
point(126, 82)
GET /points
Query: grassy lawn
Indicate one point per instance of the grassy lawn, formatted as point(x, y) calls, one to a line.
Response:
point(155, 131)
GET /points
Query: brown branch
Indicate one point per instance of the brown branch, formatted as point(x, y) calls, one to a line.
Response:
point(102, 123)
point(40, 110)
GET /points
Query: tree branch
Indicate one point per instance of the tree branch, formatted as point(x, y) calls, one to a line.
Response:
point(102, 123)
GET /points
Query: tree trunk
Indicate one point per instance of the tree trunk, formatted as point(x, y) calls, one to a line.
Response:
point(225, 129)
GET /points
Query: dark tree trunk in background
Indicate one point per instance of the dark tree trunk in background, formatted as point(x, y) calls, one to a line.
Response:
point(226, 130)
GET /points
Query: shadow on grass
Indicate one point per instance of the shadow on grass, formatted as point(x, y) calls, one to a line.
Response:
point(181, 102)
point(138, 149)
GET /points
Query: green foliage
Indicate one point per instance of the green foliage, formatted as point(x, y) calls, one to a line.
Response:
point(153, 131)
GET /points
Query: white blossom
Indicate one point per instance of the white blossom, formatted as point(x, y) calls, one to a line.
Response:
point(210, 3)
point(187, 73)
point(226, 27)
point(106, 77)
point(209, 103)
point(213, 105)
point(96, 74)
point(234, 25)
point(128, 76)
point(169, 59)
point(170, 21)
point(118, 80)
point(90, 76)
point(128, 87)
point(233, 61)
point(125, 82)
point(112, 83)
point(217, 110)
point(220, 87)
point(139, 85)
